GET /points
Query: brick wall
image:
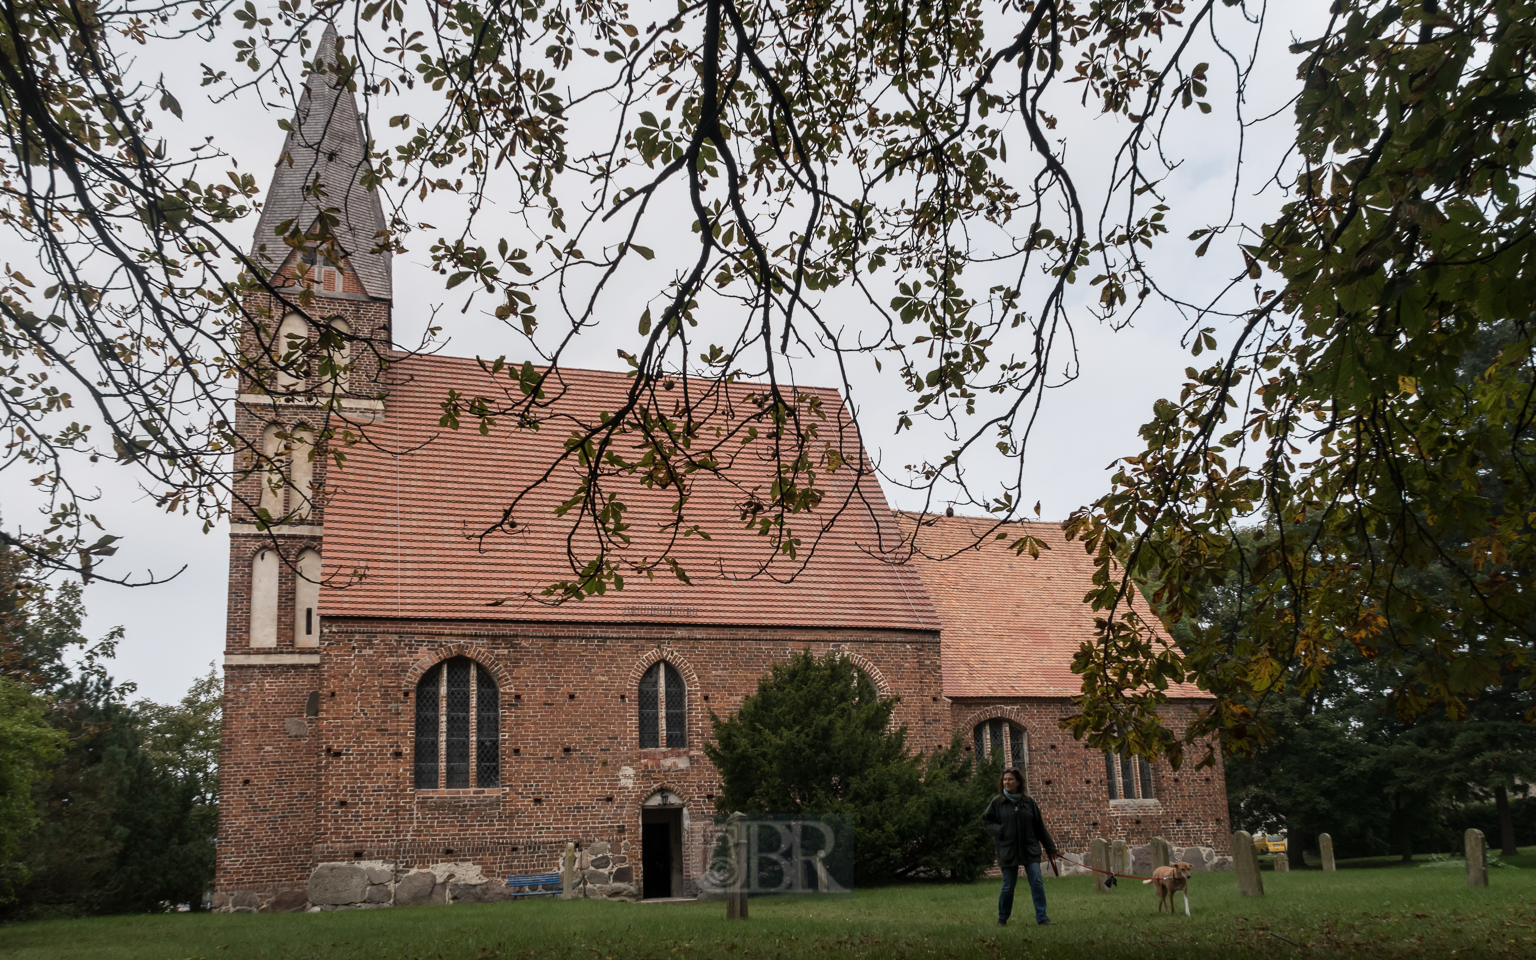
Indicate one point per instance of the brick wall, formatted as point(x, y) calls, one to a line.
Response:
point(1067, 778)
point(571, 766)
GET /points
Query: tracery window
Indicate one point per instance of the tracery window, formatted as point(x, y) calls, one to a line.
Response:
point(1128, 777)
point(663, 698)
point(457, 704)
point(1000, 740)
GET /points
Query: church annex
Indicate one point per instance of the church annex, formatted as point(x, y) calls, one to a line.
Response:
point(401, 726)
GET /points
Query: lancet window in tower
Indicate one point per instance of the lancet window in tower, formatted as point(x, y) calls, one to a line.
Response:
point(458, 727)
point(301, 469)
point(264, 573)
point(272, 480)
point(288, 353)
point(306, 600)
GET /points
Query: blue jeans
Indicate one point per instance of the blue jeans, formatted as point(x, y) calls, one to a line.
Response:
point(1036, 891)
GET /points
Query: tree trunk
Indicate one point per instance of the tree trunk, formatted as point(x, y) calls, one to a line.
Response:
point(1506, 822)
point(1400, 827)
point(1295, 848)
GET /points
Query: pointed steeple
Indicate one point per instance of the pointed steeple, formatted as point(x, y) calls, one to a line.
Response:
point(327, 141)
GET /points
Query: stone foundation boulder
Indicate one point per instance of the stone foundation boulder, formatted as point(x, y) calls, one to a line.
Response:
point(336, 884)
point(415, 889)
point(289, 901)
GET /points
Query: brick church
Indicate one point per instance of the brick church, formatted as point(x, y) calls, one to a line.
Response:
point(403, 725)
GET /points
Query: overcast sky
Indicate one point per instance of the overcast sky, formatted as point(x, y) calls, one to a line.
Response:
point(176, 630)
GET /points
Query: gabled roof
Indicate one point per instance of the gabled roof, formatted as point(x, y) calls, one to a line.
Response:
point(1011, 624)
point(407, 522)
point(326, 141)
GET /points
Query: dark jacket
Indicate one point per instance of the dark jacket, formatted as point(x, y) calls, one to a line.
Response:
point(1017, 830)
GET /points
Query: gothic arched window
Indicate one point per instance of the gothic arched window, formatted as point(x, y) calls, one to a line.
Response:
point(1002, 741)
point(663, 695)
point(1128, 777)
point(458, 727)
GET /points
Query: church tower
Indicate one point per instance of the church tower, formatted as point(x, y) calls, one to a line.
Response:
point(315, 345)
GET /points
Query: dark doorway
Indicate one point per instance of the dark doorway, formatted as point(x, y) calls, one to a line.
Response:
point(656, 859)
point(661, 852)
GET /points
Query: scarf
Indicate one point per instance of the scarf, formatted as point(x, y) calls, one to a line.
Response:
point(1012, 797)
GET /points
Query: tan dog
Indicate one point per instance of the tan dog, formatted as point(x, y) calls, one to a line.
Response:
point(1171, 879)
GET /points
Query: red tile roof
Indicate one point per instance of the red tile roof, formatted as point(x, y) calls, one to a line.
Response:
point(1011, 624)
point(408, 522)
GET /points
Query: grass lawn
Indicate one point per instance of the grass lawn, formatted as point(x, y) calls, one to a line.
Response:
point(1357, 913)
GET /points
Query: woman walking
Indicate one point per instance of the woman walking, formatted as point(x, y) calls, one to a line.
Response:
point(1014, 822)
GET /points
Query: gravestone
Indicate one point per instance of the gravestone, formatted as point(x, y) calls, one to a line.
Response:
point(1246, 860)
point(1477, 859)
point(1098, 859)
point(1283, 864)
point(1162, 853)
point(1120, 857)
point(568, 873)
point(736, 883)
point(1325, 847)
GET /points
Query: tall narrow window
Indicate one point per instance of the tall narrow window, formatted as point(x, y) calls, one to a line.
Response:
point(487, 730)
point(302, 469)
point(663, 694)
point(427, 707)
point(306, 600)
point(677, 707)
point(650, 709)
point(1001, 740)
point(1128, 777)
point(288, 349)
point(456, 705)
point(340, 355)
point(458, 727)
point(264, 570)
point(272, 484)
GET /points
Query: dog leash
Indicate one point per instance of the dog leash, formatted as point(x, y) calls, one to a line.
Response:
point(1123, 876)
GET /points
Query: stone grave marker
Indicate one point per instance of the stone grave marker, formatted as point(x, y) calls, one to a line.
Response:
point(1246, 861)
point(1098, 859)
point(1477, 859)
point(736, 885)
point(1325, 847)
point(1162, 853)
point(568, 872)
point(1283, 863)
point(1120, 857)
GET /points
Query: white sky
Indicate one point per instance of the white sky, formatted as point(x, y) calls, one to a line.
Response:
point(175, 630)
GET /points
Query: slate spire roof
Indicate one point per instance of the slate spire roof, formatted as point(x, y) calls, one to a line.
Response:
point(326, 141)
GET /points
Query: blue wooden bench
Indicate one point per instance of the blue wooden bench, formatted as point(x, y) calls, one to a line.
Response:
point(526, 881)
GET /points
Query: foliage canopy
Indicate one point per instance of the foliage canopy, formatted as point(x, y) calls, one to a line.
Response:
point(817, 739)
point(856, 154)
